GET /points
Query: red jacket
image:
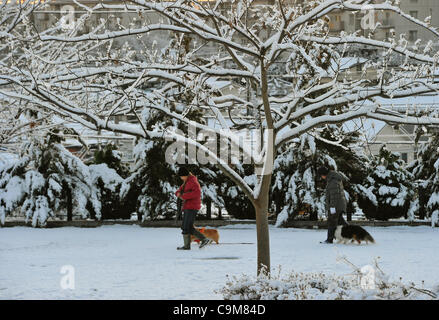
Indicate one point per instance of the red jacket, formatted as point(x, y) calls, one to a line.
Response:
point(191, 194)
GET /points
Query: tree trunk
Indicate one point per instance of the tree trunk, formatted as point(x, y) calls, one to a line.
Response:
point(263, 239)
point(209, 209)
point(262, 231)
point(69, 205)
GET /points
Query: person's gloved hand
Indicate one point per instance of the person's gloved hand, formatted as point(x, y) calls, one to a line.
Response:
point(332, 210)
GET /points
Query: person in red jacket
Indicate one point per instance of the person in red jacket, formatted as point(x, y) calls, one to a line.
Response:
point(190, 193)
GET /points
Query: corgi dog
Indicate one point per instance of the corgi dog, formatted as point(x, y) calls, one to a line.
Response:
point(209, 233)
point(351, 233)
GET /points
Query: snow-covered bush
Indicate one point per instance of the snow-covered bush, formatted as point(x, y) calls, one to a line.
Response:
point(111, 156)
point(47, 179)
point(296, 188)
point(210, 180)
point(153, 180)
point(388, 187)
point(236, 203)
point(149, 185)
point(108, 172)
point(12, 186)
point(107, 184)
point(365, 283)
point(425, 170)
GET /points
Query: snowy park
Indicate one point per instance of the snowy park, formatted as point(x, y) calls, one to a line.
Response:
point(276, 113)
point(130, 262)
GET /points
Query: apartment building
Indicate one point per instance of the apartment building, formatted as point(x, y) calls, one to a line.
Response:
point(114, 19)
point(400, 140)
point(390, 23)
point(361, 22)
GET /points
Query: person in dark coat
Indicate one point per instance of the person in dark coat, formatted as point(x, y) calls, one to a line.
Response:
point(335, 200)
point(190, 193)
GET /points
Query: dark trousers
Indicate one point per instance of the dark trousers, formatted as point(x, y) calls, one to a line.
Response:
point(188, 221)
point(187, 226)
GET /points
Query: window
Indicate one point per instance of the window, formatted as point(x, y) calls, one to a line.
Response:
point(351, 19)
point(413, 35)
point(404, 157)
point(414, 14)
point(387, 22)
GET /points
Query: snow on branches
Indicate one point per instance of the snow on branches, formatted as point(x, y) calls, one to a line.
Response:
point(366, 283)
point(101, 69)
point(89, 75)
point(425, 170)
point(46, 179)
point(387, 190)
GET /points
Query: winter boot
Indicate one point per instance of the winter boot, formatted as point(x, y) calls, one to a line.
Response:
point(331, 233)
point(187, 242)
point(203, 240)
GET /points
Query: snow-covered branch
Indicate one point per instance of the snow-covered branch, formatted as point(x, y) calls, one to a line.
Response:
point(273, 69)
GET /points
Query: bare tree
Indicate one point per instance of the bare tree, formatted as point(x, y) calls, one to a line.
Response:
point(89, 78)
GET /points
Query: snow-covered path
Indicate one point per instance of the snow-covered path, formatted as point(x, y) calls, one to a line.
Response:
point(130, 262)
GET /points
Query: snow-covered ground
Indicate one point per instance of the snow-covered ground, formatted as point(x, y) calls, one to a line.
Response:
point(130, 262)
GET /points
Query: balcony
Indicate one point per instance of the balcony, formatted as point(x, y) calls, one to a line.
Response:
point(336, 26)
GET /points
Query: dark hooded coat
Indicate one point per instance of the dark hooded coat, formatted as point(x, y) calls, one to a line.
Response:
point(335, 196)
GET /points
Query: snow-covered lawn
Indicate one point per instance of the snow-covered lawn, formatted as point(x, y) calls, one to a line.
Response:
point(130, 262)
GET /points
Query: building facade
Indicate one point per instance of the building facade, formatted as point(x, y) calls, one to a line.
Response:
point(390, 23)
point(400, 139)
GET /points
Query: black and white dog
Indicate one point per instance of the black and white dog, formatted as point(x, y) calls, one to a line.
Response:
point(350, 233)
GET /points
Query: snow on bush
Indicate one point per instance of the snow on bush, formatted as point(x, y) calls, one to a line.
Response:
point(282, 217)
point(425, 170)
point(294, 189)
point(435, 218)
point(108, 176)
point(414, 207)
point(48, 179)
point(388, 189)
point(296, 186)
point(365, 283)
point(12, 186)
